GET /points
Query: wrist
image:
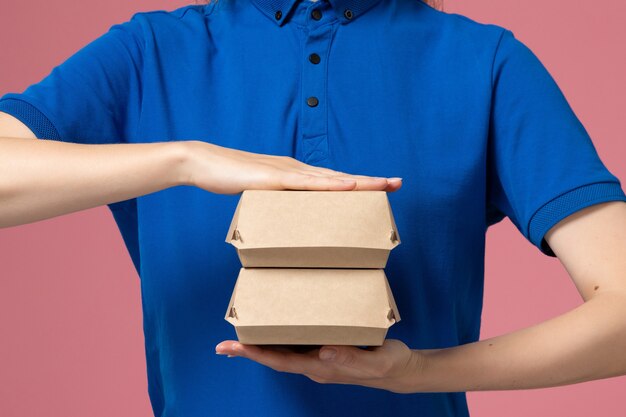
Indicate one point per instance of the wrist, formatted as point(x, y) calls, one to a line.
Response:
point(180, 158)
point(424, 376)
point(412, 378)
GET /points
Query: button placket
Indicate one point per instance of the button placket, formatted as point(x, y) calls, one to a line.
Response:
point(314, 117)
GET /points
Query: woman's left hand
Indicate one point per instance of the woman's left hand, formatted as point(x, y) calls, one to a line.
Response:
point(392, 366)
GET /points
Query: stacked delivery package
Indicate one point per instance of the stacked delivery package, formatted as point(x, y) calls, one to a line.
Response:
point(312, 268)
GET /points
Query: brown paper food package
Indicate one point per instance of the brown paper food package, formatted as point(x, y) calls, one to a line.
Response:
point(312, 306)
point(312, 268)
point(313, 229)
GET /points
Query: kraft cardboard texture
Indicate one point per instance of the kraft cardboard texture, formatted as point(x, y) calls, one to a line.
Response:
point(314, 257)
point(312, 268)
point(313, 229)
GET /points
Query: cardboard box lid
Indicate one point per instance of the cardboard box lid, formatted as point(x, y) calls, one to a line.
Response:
point(312, 297)
point(360, 222)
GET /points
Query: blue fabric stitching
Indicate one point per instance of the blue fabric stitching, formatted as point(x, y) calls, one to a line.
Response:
point(31, 116)
point(568, 203)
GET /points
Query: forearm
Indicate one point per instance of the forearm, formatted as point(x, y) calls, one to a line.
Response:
point(583, 344)
point(40, 179)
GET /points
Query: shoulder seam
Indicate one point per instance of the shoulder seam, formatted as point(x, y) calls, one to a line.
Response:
point(495, 53)
point(171, 12)
point(212, 5)
point(191, 7)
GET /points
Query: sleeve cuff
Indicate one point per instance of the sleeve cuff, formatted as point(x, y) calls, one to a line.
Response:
point(568, 203)
point(28, 114)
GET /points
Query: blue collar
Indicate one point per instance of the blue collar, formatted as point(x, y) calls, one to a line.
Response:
point(346, 10)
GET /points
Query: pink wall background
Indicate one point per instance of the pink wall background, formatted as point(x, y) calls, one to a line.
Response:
point(71, 342)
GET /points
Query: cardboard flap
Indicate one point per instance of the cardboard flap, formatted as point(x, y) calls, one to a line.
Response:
point(231, 236)
point(393, 313)
point(267, 219)
point(395, 238)
point(231, 312)
point(312, 297)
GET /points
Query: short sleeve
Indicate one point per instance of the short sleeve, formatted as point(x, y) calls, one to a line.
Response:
point(91, 97)
point(541, 165)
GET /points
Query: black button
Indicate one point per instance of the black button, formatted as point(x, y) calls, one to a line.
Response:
point(316, 14)
point(348, 14)
point(314, 58)
point(278, 15)
point(312, 101)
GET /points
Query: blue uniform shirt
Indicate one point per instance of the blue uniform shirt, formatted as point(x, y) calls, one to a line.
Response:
point(463, 111)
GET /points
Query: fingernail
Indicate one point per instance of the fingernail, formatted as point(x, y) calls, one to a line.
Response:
point(394, 179)
point(328, 354)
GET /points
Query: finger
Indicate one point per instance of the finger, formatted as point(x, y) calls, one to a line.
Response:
point(293, 181)
point(367, 382)
point(337, 174)
point(279, 361)
point(362, 182)
point(315, 171)
point(322, 170)
point(315, 378)
point(365, 363)
point(333, 173)
point(393, 184)
point(371, 184)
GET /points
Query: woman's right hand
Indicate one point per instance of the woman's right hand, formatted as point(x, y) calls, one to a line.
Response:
point(40, 179)
point(230, 171)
